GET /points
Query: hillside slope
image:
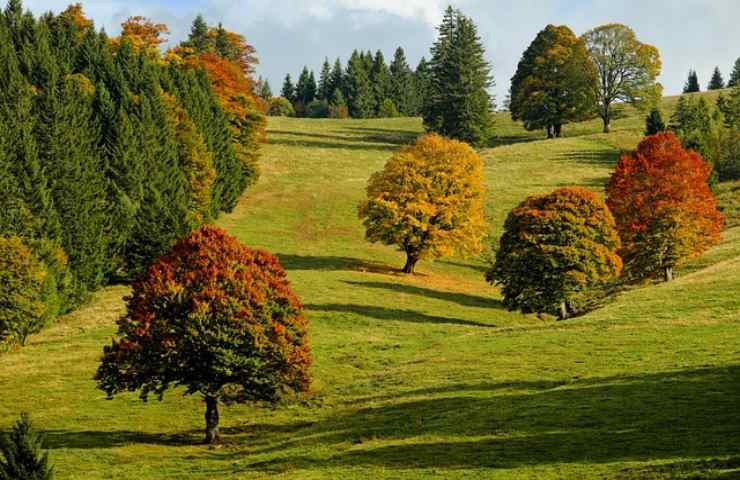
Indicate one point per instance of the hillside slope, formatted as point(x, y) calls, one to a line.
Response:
point(424, 376)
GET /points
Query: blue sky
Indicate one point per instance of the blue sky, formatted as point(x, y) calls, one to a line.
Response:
point(288, 34)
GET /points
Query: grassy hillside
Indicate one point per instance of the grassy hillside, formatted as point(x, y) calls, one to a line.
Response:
point(424, 376)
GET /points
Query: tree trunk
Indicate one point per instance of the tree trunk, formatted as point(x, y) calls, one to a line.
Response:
point(563, 311)
point(668, 274)
point(212, 434)
point(606, 118)
point(411, 261)
point(549, 131)
point(558, 130)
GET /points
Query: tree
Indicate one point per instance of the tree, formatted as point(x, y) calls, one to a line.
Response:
point(555, 82)
point(265, 92)
point(697, 126)
point(459, 105)
point(380, 78)
point(654, 122)
point(338, 106)
point(22, 450)
point(422, 86)
point(288, 90)
point(145, 35)
point(216, 318)
point(402, 84)
point(360, 93)
point(306, 87)
point(554, 247)
point(281, 107)
point(199, 39)
point(664, 210)
point(717, 82)
point(325, 88)
point(427, 201)
point(336, 80)
point(735, 75)
point(692, 83)
point(627, 69)
point(388, 109)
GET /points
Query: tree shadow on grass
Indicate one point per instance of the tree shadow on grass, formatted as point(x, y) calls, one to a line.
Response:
point(333, 263)
point(463, 299)
point(640, 418)
point(394, 314)
point(592, 157)
point(57, 439)
point(332, 145)
point(382, 135)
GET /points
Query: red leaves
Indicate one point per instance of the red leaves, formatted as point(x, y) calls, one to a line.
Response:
point(664, 209)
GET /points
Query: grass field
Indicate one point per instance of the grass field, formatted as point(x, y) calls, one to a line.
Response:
point(425, 376)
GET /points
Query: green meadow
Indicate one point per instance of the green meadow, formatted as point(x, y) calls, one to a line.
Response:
point(424, 376)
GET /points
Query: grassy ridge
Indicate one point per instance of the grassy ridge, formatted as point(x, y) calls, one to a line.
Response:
point(426, 376)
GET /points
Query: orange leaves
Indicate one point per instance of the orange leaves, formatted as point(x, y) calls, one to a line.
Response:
point(664, 209)
point(143, 34)
point(74, 14)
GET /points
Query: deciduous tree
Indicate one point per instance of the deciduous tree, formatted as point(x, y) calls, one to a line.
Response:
point(664, 210)
point(427, 201)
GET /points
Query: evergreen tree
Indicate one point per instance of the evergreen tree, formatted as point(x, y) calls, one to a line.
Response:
point(288, 90)
point(717, 82)
point(692, 83)
point(460, 106)
point(22, 452)
point(306, 87)
point(402, 84)
point(265, 92)
point(325, 87)
point(360, 94)
point(735, 75)
point(654, 123)
point(422, 86)
point(199, 40)
point(380, 78)
point(336, 81)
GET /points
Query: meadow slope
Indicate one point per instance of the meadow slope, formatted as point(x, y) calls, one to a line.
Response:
point(423, 376)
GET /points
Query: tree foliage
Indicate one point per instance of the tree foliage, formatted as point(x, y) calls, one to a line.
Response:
point(555, 82)
point(664, 210)
point(734, 79)
point(554, 247)
point(22, 454)
point(654, 122)
point(692, 83)
point(427, 201)
point(627, 69)
point(216, 318)
point(716, 82)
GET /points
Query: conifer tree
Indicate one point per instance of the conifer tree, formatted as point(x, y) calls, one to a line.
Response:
point(306, 87)
point(360, 94)
point(402, 84)
point(288, 90)
point(735, 75)
point(422, 86)
point(265, 92)
point(199, 40)
point(22, 456)
point(336, 81)
point(325, 88)
point(380, 78)
point(654, 123)
point(460, 106)
point(692, 83)
point(717, 82)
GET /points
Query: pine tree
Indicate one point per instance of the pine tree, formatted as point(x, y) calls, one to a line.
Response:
point(360, 94)
point(199, 40)
point(23, 455)
point(265, 92)
point(460, 106)
point(422, 86)
point(288, 90)
point(402, 84)
point(336, 81)
point(380, 78)
point(692, 83)
point(717, 82)
point(735, 75)
point(654, 123)
point(325, 88)
point(306, 87)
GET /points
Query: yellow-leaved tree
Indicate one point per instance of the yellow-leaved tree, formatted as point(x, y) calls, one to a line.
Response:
point(428, 201)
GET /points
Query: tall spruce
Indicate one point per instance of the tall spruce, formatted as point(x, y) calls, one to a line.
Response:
point(460, 106)
point(288, 90)
point(380, 77)
point(692, 83)
point(716, 82)
point(336, 81)
point(306, 87)
point(735, 75)
point(325, 88)
point(199, 40)
point(402, 84)
point(422, 86)
point(265, 92)
point(360, 93)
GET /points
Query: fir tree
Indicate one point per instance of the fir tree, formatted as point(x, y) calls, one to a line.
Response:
point(654, 123)
point(360, 94)
point(422, 86)
point(336, 81)
point(692, 83)
point(306, 87)
point(717, 82)
point(199, 40)
point(22, 452)
point(265, 92)
point(288, 90)
point(735, 75)
point(380, 78)
point(460, 106)
point(325, 88)
point(402, 84)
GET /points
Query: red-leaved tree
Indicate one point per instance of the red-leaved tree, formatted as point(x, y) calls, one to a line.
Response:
point(664, 209)
point(216, 318)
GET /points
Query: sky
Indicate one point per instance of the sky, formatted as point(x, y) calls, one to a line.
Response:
point(289, 34)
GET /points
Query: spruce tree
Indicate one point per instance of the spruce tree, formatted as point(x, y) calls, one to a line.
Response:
point(360, 94)
point(265, 92)
point(380, 78)
point(422, 86)
point(325, 88)
point(306, 87)
point(288, 90)
point(692, 83)
point(199, 40)
point(717, 82)
point(402, 84)
point(22, 456)
point(336, 81)
point(654, 123)
point(735, 75)
point(460, 106)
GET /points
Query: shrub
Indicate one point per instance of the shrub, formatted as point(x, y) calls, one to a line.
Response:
point(23, 277)
point(388, 109)
point(23, 454)
point(428, 200)
point(664, 210)
point(214, 317)
point(318, 109)
point(281, 107)
point(654, 122)
point(555, 247)
point(338, 111)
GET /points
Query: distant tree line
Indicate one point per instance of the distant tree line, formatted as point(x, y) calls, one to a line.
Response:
point(716, 82)
point(110, 151)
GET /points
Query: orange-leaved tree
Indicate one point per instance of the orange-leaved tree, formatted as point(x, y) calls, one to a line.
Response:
point(145, 35)
point(428, 200)
point(664, 209)
point(554, 247)
point(216, 318)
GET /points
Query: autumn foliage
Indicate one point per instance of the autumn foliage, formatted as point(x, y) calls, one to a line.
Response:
point(428, 200)
point(554, 247)
point(216, 318)
point(664, 209)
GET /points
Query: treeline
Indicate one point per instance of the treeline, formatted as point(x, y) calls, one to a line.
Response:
point(366, 87)
point(716, 82)
point(110, 151)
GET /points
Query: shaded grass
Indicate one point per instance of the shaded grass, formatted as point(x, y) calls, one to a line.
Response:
point(428, 375)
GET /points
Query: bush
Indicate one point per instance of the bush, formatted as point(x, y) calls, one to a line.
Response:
point(216, 318)
point(23, 454)
point(317, 109)
point(338, 111)
point(555, 247)
point(281, 107)
point(427, 200)
point(24, 283)
point(388, 109)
